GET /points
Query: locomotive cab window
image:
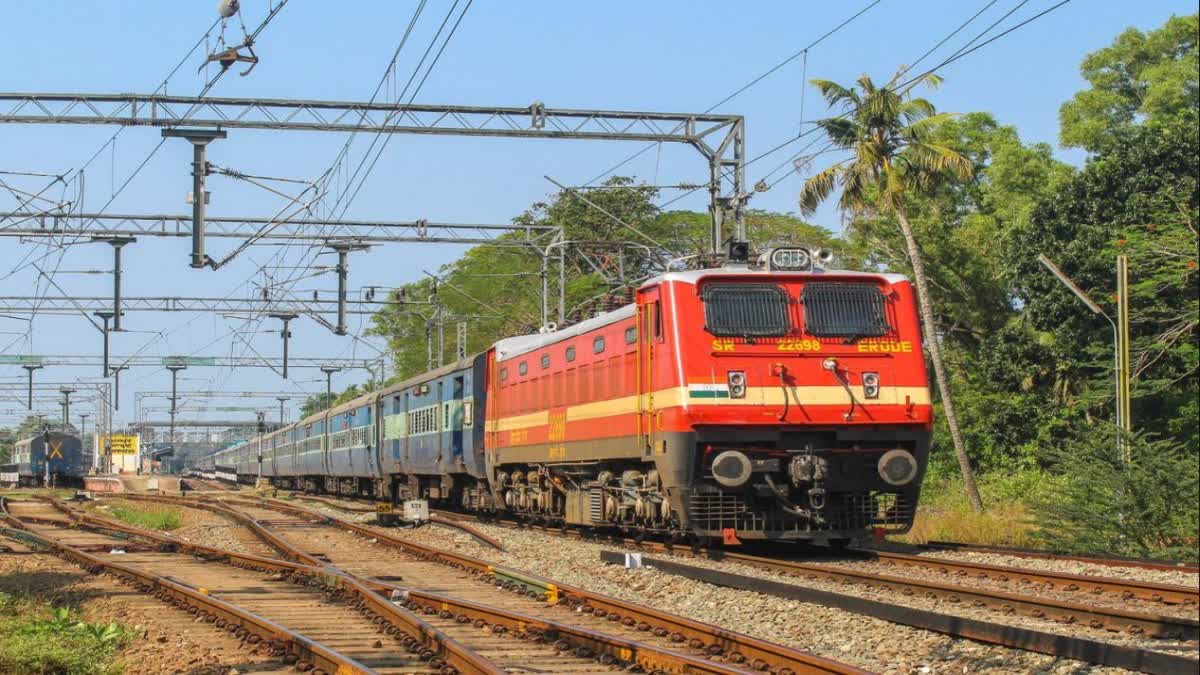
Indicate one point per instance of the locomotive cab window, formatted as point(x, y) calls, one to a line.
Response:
point(545, 360)
point(631, 335)
point(746, 310)
point(598, 345)
point(570, 354)
point(523, 368)
point(503, 374)
point(844, 310)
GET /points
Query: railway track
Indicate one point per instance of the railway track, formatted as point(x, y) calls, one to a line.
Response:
point(1084, 586)
point(456, 592)
point(436, 519)
point(248, 597)
point(499, 645)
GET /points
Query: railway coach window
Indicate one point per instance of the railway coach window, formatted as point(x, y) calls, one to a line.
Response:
point(746, 310)
point(844, 310)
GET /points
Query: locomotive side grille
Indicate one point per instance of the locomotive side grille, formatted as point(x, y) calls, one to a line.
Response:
point(844, 310)
point(596, 505)
point(745, 310)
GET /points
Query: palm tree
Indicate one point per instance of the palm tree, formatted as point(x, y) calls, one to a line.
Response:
point(892, 157)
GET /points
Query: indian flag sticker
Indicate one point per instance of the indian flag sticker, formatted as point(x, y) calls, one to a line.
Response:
point(708, 390)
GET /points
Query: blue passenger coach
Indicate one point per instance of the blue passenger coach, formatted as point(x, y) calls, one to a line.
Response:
point(420, 438)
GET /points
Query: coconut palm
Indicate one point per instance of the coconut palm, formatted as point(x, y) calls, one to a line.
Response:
point(887, 132)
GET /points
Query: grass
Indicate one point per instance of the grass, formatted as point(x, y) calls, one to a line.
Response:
point(36, 638)
point(148, 516)
point(26, 493)
point(1007, 520)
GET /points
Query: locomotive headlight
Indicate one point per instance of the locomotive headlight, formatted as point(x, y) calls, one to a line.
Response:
point(737, 384)
point(791, 260)
point(870, 384)
point(897, 467)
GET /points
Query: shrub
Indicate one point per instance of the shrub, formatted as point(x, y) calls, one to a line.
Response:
point(59, 643)
point(945, 514)
point(1148, 507)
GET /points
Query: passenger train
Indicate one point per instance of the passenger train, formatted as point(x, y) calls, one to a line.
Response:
point(775, 400)
point(49, 459)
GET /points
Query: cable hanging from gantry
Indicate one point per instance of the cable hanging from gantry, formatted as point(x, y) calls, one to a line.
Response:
point(231, 55)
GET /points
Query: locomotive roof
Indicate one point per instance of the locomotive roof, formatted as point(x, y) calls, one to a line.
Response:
point(694, 276)
point(523, 344)
point(512, 347)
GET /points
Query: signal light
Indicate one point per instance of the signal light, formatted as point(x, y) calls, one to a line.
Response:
point(737, 383)
point(870, 384)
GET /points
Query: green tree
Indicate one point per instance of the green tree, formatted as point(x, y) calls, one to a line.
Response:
point(1138, 197)
point(316, 403)
point(1140, 77)
point(893, 156)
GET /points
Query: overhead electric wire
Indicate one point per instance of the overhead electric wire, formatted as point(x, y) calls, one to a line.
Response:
point(772, 70)
point(79, 172)
point(908, 84)
point(313, 250)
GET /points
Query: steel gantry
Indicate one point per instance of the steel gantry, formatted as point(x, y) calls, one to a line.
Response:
point(50, 305)
point(43, 224)
point(720, 139)
point(370, 365)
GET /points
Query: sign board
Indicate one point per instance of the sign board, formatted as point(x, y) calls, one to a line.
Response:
point(123, 445)
point(189, 360)
point(21, 359)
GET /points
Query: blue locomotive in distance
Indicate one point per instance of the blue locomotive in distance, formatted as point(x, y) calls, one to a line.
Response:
point(49, 459)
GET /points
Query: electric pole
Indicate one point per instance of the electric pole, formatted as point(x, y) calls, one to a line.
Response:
point(329, 371)
point(29, 370)
point(66, 392)
point(174, 375)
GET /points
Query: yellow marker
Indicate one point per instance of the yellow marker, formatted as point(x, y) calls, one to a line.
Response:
point(55, 450)
point(722, 345)
point(552, 593)
point(901, 347)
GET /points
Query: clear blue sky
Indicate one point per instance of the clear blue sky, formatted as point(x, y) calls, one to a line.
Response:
point(679, 56)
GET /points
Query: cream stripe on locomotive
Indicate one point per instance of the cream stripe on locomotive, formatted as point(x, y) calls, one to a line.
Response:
point(693, 395)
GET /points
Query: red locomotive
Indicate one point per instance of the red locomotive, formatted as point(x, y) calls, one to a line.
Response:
point(778, 401)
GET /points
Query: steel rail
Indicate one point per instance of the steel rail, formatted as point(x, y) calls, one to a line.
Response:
point(304, 653)
point(758, 654)
point(1039, 608)
point(1139, 563)
point(584, 642)
point(1126, 588)
point(1081, 649)
point(431, 642)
